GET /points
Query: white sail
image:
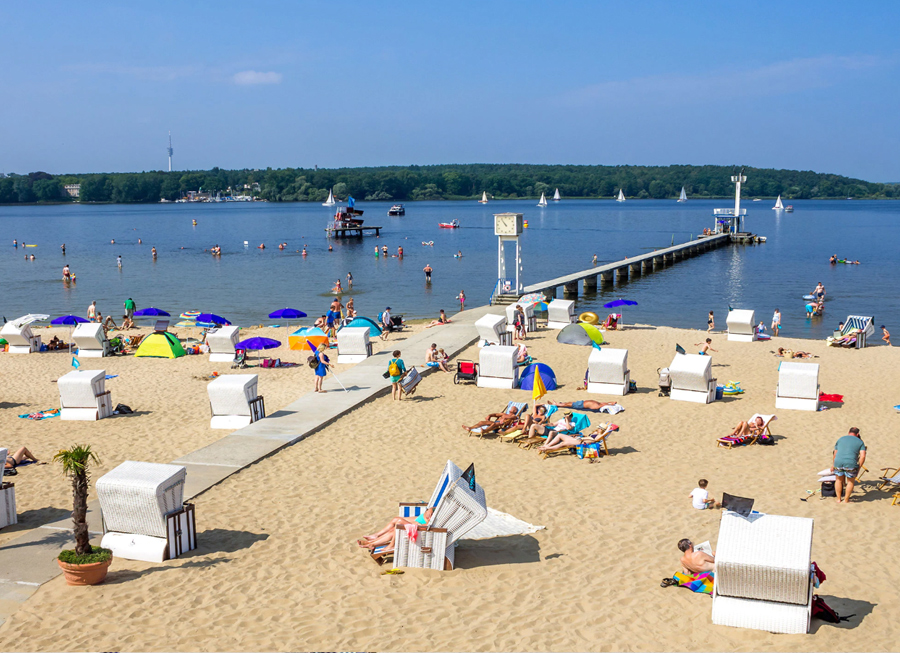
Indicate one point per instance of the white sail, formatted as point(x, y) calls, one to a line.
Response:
point(621, 197)
point(683, 197)
point(556, 196)
point(778, 205)
point(543, 201)
point(330, 201)
point(484, 199)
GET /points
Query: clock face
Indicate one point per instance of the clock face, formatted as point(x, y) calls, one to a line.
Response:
point(506, 225)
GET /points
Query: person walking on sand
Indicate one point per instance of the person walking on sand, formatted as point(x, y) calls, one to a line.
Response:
point(705, 347)
point(322, 365)
point(427, 270)
point(710, 323)
point(885, 335)
point(776, 323)
point(848, 456)
point(396, 369)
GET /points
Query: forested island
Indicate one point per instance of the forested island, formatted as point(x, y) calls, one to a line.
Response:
point(438, 182)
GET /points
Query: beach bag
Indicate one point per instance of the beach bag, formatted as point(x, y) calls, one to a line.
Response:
point(312, 362)
point(122, 409)
point(394, 368)
point(590, 450)
point(821, 610)
point(828, 489)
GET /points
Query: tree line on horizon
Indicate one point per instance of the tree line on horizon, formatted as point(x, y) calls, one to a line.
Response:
point(442, 182)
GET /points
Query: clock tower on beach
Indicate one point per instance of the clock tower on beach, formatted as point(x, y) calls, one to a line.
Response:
point(508, 228)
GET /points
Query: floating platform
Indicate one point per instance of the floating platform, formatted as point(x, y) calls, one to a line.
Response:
point(350, 232)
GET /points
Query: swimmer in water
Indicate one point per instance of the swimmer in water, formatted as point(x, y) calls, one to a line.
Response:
point(400, 252)
point(304, 250)
point(112, 242)
point(384, 251)
point(376, 251)
point(833, 259)
point(153, 252)
point(281, 246)
point(459, 253)
point(32, 257)
point(337, 287)
point(594, 261)
point(330, 248)
point(261, 246)
point(63, 248)
point(140, 242)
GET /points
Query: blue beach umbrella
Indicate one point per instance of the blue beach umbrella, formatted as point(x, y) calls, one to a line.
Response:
point(68, 320)
point(287, 314)
point(211, 319)
point(616, 303)
point(258, 343)
point(151, 312)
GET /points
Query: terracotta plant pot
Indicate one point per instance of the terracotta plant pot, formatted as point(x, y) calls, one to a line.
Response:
point(90, 574)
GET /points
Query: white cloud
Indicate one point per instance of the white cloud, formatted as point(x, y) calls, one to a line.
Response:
point(252, 77)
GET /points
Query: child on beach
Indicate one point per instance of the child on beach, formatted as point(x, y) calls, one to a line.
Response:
point(700, 498)
point(886, 336)
point(705, 347)
point(710, 323)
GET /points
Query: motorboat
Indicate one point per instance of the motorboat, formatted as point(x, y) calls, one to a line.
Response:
point(449, 225)
point(397, 209)
point(789, 208)
point(346, 217)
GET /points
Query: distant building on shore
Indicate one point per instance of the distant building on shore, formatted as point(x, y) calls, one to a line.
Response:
point(73, 190)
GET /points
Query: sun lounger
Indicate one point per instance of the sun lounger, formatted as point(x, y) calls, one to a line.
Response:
point(497, 367)
point(144, 517)
point(83, 395)
point(890, 478)
point(763, 575)
point(560, 313)
point(530, 319)
point(608, 372)
point(491, 330)
point(741, 325)
point(20, 338)
point(798, 386)
point(691, 379)
point(222, 343)
point(8, 515)
point(457, 510)
point(353, 345)
point(90, 340)
point(520, 408)
point(731, 441)
point(410, 381)
point(234, 401)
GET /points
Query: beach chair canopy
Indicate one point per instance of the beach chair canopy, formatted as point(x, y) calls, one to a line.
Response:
point(374, 329)
point(526, 381)
point(314, 335)
point(160, 345)
point(580, 334)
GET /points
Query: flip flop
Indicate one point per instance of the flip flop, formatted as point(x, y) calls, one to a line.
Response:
point(392, 572)
point(668, 582)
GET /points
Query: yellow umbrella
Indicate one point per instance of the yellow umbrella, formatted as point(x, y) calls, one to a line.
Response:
point(538, 390)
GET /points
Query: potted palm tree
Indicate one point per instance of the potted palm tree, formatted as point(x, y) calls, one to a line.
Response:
point(85, 565)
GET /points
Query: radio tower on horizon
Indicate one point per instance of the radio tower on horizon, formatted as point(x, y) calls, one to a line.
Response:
point(170, 151)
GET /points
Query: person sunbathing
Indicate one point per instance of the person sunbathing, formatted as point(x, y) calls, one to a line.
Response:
point(496, 421)
point(750, 427)
point(127, 322)
point(55, 344)
point(695, 562)
point(790, 353)
point(442, 319)
point(16, 459)
point(537, 416)
point(565, 424)
point(583, 404)
point(566, 441)
point(386, 535)
point(522, 355)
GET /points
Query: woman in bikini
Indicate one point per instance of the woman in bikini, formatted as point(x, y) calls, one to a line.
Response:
point(16, 459)
point(386, 535)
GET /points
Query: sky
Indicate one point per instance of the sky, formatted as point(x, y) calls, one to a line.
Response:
point(96, 87)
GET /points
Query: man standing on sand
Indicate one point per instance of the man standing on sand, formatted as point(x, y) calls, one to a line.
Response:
point(427, 270)
point(695, 562)
point(129, 308)
point(849, 455)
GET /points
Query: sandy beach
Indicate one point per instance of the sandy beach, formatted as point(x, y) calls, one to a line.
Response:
point(278, 567)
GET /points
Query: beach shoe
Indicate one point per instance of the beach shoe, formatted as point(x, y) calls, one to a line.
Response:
point(668, 582)
point(392, 572)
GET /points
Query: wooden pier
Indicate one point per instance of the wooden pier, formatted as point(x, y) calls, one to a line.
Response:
point(621, 270)
point(345, 232)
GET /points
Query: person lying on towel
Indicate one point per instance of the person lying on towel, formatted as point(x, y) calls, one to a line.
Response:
point(695, 562)
point(386, 535)
point(563, 441)
point(583, 404)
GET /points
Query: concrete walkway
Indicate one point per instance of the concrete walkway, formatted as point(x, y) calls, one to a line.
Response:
point(29, 561)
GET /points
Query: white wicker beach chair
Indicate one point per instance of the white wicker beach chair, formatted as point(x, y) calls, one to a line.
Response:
point(83, 395)
point(222, 343)
point(8, 515)
point(456, 510)
point(763, 575)
point(20, 338)
point(135, 500)
point(353, 345)
point(560, 313)
point(866, 326)
point(90, 340)
point(492, 330)
point(741, 325)
point(608, 372)
point(692, 379)
point(234, 401)
point(530, 319)
point(497, 367)
point(798, 386)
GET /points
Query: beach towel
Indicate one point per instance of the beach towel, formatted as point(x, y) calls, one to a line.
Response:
point(111, 376)
point(737, 440)
point(836, 399)
point(41, 414)
point(412, 532)
point(612, 410)
point(700, 583)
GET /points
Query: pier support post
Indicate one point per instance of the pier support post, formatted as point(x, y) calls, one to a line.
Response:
point(571, 289)
point(590, 284)
point(606, 277)
point(635, 269)
point(647, 265)
point(659, 262)
point(622, 273)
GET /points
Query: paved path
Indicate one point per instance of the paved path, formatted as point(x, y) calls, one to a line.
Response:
point(29, 561)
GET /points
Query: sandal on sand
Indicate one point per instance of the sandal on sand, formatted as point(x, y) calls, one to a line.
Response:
point(392, 572)
point(668, 582)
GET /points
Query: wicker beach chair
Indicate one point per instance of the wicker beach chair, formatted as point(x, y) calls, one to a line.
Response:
point(222, 343)
point(560, 313)
point(491, 330)
point(90, 340)
point(353, 345)
point(497, 367)
point(83, 395)
point(798, 386)
point(692, 379)
point(763, 574)
point(8, 515)
point(234, 401)
point(608, 372)
point(20, 338)
point(741, 325)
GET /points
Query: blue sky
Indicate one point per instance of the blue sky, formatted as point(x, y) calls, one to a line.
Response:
point(97, 86)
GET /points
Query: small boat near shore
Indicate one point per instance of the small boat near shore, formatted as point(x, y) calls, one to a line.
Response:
point(397, 209)
point(484, 199)
point(778, 205)
point(556, 196)
point(543, 200)
point(621, 197)
point(449, 225)
point(683, 196)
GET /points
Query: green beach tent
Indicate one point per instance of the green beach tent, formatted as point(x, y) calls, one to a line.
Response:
point(581, 333)
point(160, 345)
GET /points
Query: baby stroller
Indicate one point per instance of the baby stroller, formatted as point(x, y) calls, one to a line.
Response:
point(465, 371)
point(240, 359)
point(665, 382)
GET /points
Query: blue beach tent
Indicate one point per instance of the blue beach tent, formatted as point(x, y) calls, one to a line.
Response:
point(374, 329)
point(526, 381)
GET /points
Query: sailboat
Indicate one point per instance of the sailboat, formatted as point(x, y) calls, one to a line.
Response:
point(683, 196)
point(778, 205)
point(330, 201)
point(484, 199)
point(556, 196)
point(621, 197)
point(543, 201)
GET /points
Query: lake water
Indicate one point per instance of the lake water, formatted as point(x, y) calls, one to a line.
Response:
point(246, 283)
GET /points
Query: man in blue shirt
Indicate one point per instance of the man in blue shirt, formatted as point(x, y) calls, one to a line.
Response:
point(849, 455)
